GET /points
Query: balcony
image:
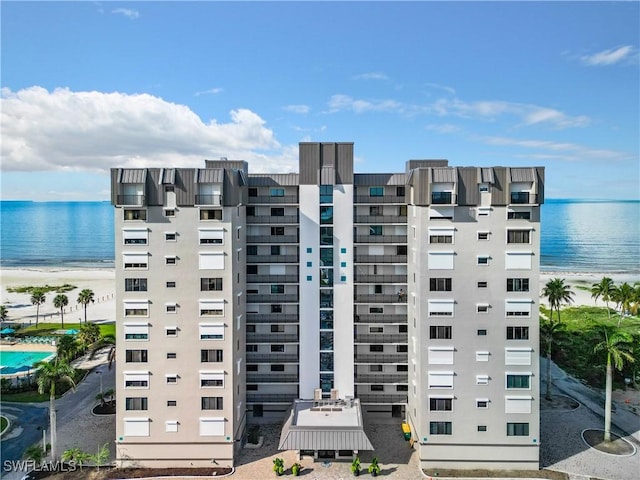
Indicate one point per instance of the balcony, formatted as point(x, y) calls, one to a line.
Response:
point(524, 198)
point(266, 200)
point(381, 378)
point(381, 239)
point(272, 378)
point(275, 239)
point(379, 358)
point(271, 397)
point(381, 259)
point(381, 318)
point(380, 298)
point(369, 278)
point(272, 258)
point(378, 219)
point(381, 338)
point(443, 198)
point(273, 318)
point(131, 200)
point(273, 278)
point(272, 357)
point(209, 200)
point(376, 200)
point(272, 220)
point(272, 337)
point(385, 398)
point(272, 298)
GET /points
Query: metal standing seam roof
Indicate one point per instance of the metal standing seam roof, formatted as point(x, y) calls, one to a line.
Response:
point(133, 175)
point(486, 175)
point(522, 175)
point(210, 175)
point(325, 439)
point(168, 176)
point(375, 179)
point(270, 180)
point(443, 175)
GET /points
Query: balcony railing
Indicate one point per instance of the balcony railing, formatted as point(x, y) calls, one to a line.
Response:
point(377, 219)
point(272, 258)
point(380, 298)
point(381, 318)
point(273, 278)
point(271, 220)
point(369, 398)
point(380, 358)
point(524, 198)
point(381, 378)
point(271, 397)
point(266, 199)
point(215, 200)
point(272, 357)
point(381, 338)
point(381, 259)
point(272, 338)
point(273, 318)
point(443, 198)
point(272, 298)
point(370, 278)
point(272, 378)
point(131, 200)
point(275, 239)
point(381, 239)
point(375, 200)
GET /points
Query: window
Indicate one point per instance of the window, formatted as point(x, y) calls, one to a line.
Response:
point(211, 331)
point(171, 378)
point(136, 379)
point(169, 212)
point(400, 191)
point(212, 426)
point(135, 214)
point(482, 379)
point(136, 356)
point(401, 250)
point(172, 403)
point(483, 188)
point(482, 356)
point(170, 260)
point(211, 260)
point(440, 380)
point(483, 235)
point(276, 250)
point(440, 404)
point(251, 211)
point(482, 403)
point(522, 381)
point(518, 308)
point(376, 191)
point(377, 388)
point(402, 348)
point(276, 308)
point(376, 348)
point(402, 388)
point(277, 192)
point(277, 368)
point(375, 230)
point(482, 428)
point(135, 284)
point(483, 260)
point(211, 308)
point(212, 379)
point(440, 428)
point(137, 236)
point(277, 231)
point(211, 356)
point(326, 235)
point(482, 284)
point(135, 403)
point(441, 355)
point(515, 215)
point(518, 260)
point(517, 356)
point(440, 238)
point(326, 193)
point(170, 237)
point(517, 284)
point(518, 236)
point(252, 269)
point(517, 404)
point(375, 210)
point(277, 212)
point(211, 236)
point(277, 289)
point(326, 215)
point(277, 328)
point(517, 429)
point(210, 214)
point(171, 284)
point(482, 332)
point(171, 355)
point(136, 309)
point(253, 192)
point(211, 284)
point(171, 307)
point(376, 310)
point(211, 403)
point(440, 260)
point(440, 284)
point(277, 348)
point(440, 331)
point(375, 368)
point(171, 331)
point(252, 368)
point(517, 333)
point(171, 426)
point(440, 308)
point(251, 347)
point(135, 260)
point(482, 308)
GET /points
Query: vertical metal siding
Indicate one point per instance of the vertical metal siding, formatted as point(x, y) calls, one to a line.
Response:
point(421, 186)
point(309, 163)
point(344, 164)
point(540, 182)
point(154, 192)
point(115, 185)
point(328, 154)
point(500, 187)
point(327, 176)
point(468, 192)
point(185, 187)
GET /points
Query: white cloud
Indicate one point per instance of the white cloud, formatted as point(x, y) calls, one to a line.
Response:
point(446, 88)
point(297, 108)
point(127, 12)
point(94, 131)
point(609, 57)
point(345, 102)
point(443, 128)
point(211, 91)
point(371, 76)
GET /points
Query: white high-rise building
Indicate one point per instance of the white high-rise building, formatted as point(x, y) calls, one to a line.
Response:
point(414, 292)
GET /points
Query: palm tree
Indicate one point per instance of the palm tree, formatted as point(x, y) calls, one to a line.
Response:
point(48, 374)
point(603, 289)
point(67, 348)
point(4, 314)
point(84, 298)
point(38, 297)
point(89, 334)
point(617, 346)
point(60, 301)
point(558, 293)
point(624, 296)
point(549, 332)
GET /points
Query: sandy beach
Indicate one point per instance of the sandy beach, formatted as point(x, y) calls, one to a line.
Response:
point(101, 281)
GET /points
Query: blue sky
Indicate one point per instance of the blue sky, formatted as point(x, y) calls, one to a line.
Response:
point(87, 86)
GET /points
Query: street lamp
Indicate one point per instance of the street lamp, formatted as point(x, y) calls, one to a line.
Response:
point(98, 372)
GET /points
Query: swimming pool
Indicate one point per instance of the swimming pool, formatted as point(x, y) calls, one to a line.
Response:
point(15, 362)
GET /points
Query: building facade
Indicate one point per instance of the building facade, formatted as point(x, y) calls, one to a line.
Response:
point(414, 292)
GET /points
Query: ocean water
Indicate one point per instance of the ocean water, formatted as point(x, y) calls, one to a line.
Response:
point(576, 235)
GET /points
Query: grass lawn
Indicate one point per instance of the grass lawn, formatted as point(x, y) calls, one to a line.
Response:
point(46, 329)
point(584, 329)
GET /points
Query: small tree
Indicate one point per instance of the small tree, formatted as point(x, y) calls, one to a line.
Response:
point(278, 466)
point(35, 453)
point(85, 297)
point(76, 455)
point(38, 297)
point(108, 394)
point(67, 348)
point(374, 468)
point(60, 301)
point(101, 456)
point(88, 334)
point(355, 466)
point(549, 332)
